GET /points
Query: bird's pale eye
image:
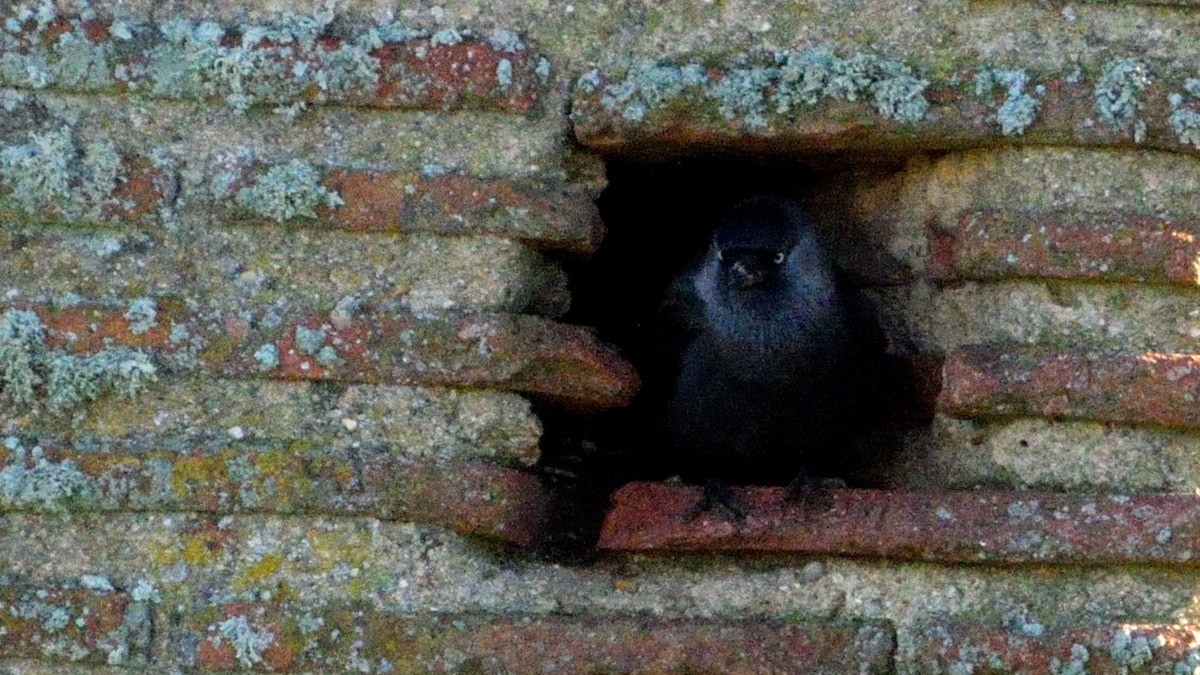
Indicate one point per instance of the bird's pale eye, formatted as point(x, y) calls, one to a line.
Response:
point(720, 256)
point(779, 257)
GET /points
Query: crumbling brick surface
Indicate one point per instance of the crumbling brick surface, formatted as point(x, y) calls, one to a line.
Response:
point(988, 245)
point(277, 638)
point(1147, 388)
point(963, 527)
point(282, 291)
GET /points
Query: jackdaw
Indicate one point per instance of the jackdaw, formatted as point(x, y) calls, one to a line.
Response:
point(776, 359)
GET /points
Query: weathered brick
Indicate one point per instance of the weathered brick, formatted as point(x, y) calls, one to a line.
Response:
point(237, 267)
point(287, 65)
point(563, 363)
point(277, 637)
point(679, 117)
point(196, 415)
point(1018, 180)
point(140, 190)
point(1054, 455)
point(970, 527)
point(1074, 315)
point(989, 245)
point(551, 216)
point(63, 624)
point(1031, 649)
point(468, 497)
point(1148, 388)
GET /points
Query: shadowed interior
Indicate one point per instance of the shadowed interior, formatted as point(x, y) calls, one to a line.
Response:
point(658, 216)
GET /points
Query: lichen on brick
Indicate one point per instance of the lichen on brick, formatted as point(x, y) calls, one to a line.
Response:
point(504, 73)
point(749, 88)
point(64, 379)
point(30, 56)
point(650, 85)
point(248, 642)
point(142, 315)
point(76, 379)
point(287, 191)
point(1121, 83)
point(22, 355)
point(32, 480)
point(267, 357)
point(1019, 108)
point(741, 94)
point(1129, 650)
point(54, 173)
point(273, 63)
point(1185, 118)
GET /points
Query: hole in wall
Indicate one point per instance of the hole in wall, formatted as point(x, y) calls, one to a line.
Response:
point(659, 215)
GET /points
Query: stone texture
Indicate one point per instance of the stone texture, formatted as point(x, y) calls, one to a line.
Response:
point(516, 644)
point(1109, 317)
point(960, 527)
point(459, 205)
point(561, 363)
point(250, 268)
point(468, 497)
point(1039, 454)
point(1031, 649)
point(1150, 388)
point(986, 245)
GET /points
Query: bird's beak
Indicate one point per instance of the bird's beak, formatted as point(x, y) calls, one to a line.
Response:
point(746, 273)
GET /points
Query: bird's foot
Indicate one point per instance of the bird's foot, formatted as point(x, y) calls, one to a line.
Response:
point(719, 500)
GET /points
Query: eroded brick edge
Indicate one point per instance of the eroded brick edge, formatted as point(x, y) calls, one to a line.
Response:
point(943, 526)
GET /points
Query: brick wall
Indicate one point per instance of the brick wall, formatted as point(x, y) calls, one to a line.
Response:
point(283, 284)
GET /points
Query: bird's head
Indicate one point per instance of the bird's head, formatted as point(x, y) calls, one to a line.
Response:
point(764, 243)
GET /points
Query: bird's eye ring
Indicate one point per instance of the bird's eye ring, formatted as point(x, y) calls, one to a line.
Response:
point(720, 256)
point(779, 257)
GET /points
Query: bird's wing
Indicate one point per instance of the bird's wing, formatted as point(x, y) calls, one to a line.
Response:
point(680, 316)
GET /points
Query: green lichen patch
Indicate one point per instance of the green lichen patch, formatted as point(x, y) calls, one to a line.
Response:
point(1019, 108)
point(33, 374)
point(31, 481)
point(287, 191)
point(53, 173)
point(296, 60)
point(1121, 83)
point(750, 91)
point(1185, 117)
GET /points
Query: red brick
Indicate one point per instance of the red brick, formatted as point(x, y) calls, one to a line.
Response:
point(1033, 650)
point(966, 527)
point(1148, 388)
point(1067, 245)
point(416, 74)
point(564, 644)
point(956, 119)
point(555, 217)
point(557, 362)
point(61, 624)
point(470, 498)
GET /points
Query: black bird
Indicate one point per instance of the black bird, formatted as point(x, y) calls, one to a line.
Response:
point(776, 357)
